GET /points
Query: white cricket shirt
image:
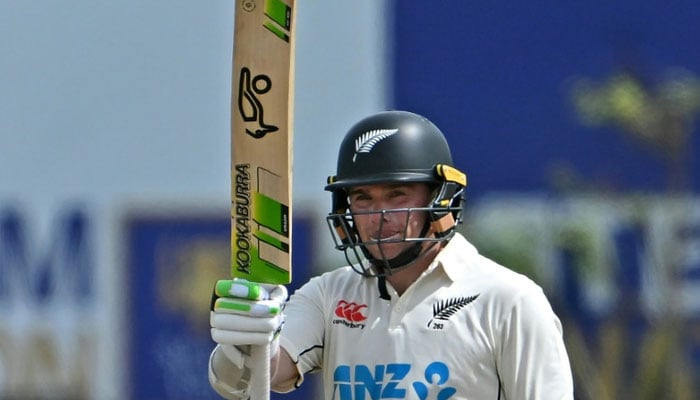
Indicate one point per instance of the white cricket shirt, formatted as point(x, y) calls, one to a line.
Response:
point(468, 328)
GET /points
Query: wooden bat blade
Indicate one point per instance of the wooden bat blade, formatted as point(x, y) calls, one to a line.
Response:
point(262, 109)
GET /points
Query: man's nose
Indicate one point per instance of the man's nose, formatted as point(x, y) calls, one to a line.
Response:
point(380, 215)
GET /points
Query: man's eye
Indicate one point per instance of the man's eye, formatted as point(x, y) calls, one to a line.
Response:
point(359, 198)
point(396, 193)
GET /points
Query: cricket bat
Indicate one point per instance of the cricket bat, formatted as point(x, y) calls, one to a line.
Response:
point(262, 111)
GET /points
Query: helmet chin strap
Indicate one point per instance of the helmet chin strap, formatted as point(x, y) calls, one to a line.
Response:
point(401, 261)
point(404, 259)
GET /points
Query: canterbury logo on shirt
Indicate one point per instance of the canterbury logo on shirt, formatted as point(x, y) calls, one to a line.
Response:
point(350, 314)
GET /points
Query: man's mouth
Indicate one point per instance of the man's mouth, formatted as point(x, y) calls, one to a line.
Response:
point(385, 236)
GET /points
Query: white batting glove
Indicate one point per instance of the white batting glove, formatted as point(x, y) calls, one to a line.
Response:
point(246, 313)
point(243, 313)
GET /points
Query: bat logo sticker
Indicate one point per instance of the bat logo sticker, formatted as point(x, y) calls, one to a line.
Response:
point(249, 104)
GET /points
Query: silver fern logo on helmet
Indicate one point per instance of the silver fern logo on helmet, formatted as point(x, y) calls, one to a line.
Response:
point(368, 140)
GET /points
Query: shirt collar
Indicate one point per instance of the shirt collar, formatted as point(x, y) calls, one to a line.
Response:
point(456, 257)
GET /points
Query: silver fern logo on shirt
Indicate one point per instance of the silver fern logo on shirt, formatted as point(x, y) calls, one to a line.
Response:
point(444, 309)
point(366, 142)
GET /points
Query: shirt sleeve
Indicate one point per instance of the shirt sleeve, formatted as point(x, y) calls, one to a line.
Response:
point(532, 361)
point(303, 331)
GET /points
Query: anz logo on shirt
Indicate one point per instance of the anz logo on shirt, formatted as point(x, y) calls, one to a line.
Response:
point(361, 382)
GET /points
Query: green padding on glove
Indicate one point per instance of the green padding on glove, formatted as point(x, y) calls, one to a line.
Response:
point(240, 288)
point(261, 308)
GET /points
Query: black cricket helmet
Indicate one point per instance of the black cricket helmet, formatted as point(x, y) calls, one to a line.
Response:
point(395, 147)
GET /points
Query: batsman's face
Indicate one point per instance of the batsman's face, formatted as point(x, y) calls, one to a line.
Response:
point(383, 232)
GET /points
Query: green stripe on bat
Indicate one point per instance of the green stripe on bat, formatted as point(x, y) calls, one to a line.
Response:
point(270, 213)
point(272, 241)
point(281, 14)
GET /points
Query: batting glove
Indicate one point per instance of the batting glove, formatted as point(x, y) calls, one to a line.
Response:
point(246, 313)
point(243, 313)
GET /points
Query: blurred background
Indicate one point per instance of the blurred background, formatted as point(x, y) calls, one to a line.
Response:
point(576, 125)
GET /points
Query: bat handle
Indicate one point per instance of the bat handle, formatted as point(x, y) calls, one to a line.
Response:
point(260, 372)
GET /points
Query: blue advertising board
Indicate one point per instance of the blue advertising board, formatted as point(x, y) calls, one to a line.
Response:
point(501, 78)
point(173, 263)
